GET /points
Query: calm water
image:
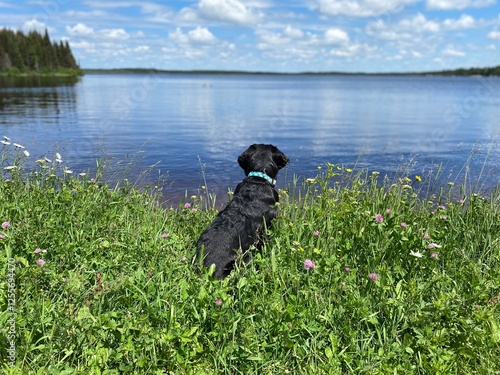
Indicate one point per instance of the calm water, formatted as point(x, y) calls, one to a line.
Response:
point(182, 122)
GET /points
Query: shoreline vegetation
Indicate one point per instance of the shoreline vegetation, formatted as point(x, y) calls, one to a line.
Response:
point(487, 71)
point(35, 55)
point(361, 274)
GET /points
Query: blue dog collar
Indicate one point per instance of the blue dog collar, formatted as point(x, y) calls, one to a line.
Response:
point(262, 175)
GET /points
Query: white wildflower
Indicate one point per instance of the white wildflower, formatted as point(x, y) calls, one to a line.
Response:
point(10, 167)
point(433, 245)
point(416, 254)
point(68, 171)
point(17, 145)
point(6, 143)
point(6, 138)
point(26, 153)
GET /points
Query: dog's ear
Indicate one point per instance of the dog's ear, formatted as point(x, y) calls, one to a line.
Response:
point(280, 159)
point(246, 156)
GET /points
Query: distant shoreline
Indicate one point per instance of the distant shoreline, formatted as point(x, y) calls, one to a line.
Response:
point(56, 74)
point(494, 71)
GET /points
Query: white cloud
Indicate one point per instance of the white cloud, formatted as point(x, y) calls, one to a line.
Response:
point(187, 15)
point(464, 22)
point(34, 25)
point(362, 8)
point(347, 51)
point(84, 31)
point(229, 11)
point(80, 29)
point(458, 4)
point(196, 43)
point(336, 36)
point(293, 32)
point(200, 35)
point(141, 49)
point(115, 34)
point(495, 35)
point(83, 45)
point(450, 51)
point(306, 46)
point(404, 29)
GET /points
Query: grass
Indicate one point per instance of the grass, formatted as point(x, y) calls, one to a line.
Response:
point(400, 282)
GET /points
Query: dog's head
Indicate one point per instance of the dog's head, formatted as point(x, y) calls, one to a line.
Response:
point(267, 159)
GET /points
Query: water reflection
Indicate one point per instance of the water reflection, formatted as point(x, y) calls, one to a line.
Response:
point(37, 81)
point(182, 121)
point(36, 97)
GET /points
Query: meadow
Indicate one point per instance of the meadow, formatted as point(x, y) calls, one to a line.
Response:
point(361, 274)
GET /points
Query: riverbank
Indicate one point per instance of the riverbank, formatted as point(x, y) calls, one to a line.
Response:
point(103, 278)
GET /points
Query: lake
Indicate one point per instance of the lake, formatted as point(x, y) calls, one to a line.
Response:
point(193, 127)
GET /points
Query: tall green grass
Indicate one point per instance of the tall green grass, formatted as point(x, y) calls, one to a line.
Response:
point(400, 282)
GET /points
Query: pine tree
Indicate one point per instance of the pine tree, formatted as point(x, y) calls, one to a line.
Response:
point(34, 52)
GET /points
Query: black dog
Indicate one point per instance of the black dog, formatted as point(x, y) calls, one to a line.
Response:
point(241, 224)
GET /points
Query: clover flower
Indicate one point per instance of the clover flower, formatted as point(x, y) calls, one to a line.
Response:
point(379, 218)
point(40, 262)
point(373, 276)
point(218, 302)
point(5, 225)
point(309, 265)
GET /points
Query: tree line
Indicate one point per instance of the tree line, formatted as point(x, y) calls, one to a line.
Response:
point(487, 71)
point(34, 53)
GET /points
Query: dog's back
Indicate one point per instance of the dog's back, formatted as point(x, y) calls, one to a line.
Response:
point(241, 224)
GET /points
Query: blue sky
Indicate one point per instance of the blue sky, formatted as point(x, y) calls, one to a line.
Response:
point(269, 35)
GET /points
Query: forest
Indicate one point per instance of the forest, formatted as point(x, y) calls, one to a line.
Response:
point(35, 53)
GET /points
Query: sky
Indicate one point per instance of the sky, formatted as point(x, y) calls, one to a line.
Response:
point(269, 35)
